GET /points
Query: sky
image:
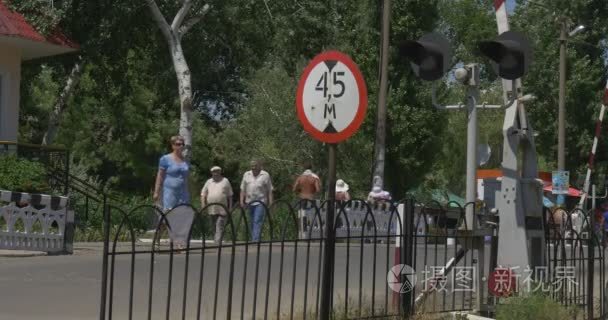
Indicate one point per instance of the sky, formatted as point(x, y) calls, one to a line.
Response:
point(510, 5)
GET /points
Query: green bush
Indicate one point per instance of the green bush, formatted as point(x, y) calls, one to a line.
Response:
point(536, 306)
point(23, 175)
point(90, 217)
point(90, 214)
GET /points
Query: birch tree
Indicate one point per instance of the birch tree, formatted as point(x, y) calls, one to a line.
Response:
point(61, 104)
point(173, 34)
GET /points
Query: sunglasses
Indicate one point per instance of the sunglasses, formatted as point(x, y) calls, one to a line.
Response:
point(179, 144)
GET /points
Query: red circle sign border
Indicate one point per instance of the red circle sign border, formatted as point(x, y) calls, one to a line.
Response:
point(361, 109)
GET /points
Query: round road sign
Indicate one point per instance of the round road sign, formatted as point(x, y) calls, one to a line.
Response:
point(332, 97)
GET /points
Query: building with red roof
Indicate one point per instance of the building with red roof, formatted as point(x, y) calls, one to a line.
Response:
point(19, 41)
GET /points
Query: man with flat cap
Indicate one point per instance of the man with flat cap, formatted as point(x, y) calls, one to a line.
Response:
point(217, 190)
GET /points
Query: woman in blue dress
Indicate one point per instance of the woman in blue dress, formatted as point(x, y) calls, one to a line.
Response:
point(173, 177)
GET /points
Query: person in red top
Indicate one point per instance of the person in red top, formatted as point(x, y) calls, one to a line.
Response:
point(307, 185)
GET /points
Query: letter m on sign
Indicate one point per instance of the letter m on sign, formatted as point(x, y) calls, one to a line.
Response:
point(329, 109)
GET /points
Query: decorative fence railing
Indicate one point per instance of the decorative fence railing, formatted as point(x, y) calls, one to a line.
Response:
point(86, 200)
point(279, 277)
point(383, 224)
point(311, 224)
point(55, 159)
point(575, 274)
point(35, 222)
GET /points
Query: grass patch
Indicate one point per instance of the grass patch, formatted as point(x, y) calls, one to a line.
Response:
point(534, 306)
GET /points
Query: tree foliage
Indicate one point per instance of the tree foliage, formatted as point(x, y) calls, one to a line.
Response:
point(246, 59)
point(585, 77)
point(44, 17)
point(22, 175)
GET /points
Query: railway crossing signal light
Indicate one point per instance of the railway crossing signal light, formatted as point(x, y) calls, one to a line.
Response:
point(510, 53)
point(429, 56)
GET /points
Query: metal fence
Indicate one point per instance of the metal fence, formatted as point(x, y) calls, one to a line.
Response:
point(55, 159)
point(279, 277)
point(355, 213)
point(86, 200)
point(575, 272)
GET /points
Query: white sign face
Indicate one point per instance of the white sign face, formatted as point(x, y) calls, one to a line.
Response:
point(331, 97)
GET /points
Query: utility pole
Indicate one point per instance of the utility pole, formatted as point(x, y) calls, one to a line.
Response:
point(561, 122)
point(471, 173)
point(380, 144)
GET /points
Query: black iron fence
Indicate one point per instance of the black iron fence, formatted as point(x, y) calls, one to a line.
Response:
point(575, 272)
point(423, 264)
point(86, 200)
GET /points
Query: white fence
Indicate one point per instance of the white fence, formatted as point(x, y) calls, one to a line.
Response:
point(383, 221)
point(353, 222)
point(35, 222)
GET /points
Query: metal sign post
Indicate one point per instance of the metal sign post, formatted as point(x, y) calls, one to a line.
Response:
point(519, 202)
point(430, 59)
point(331, 102)
point(330, 240)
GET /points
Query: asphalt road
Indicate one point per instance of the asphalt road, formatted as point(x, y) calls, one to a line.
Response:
point(68, 287)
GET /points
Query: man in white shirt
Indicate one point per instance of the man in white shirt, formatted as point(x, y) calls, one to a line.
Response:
point(217, 191)
point(256, 193)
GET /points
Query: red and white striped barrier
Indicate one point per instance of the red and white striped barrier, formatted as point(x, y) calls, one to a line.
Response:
point(502, 17)
point(596, 138)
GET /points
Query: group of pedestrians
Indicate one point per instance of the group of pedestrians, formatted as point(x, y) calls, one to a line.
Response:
point(560, 221)
point(256, 190)
point(171, 190)
point(308, 187)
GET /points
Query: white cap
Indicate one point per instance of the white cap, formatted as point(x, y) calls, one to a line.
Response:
point(341, 186)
